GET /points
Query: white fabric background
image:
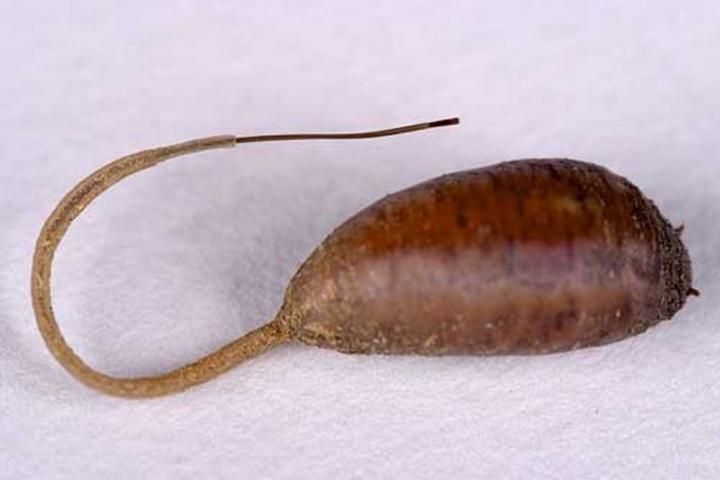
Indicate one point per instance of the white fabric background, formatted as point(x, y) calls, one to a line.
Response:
point(185, 257)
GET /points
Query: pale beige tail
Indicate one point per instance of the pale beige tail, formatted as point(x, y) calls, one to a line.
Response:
point(204, 369)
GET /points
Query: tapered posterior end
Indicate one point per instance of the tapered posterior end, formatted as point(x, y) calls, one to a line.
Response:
point(446, 122)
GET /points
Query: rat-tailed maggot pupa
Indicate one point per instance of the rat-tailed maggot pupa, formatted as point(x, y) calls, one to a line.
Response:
point(522, 257)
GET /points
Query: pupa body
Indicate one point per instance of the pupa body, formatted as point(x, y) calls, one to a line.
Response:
point(528, 256)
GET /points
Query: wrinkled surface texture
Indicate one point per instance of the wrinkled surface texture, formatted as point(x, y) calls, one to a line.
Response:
point(530, 256)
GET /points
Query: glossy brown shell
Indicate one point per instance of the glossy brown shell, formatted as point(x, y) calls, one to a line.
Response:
point(528, 256)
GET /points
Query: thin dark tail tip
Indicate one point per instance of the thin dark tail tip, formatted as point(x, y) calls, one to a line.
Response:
point(694, 292)
point(445, 122)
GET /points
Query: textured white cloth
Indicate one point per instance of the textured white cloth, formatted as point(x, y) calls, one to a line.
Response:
point(187, 256)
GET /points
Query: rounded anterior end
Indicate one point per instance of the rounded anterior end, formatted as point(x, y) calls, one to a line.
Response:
point(529, 256)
